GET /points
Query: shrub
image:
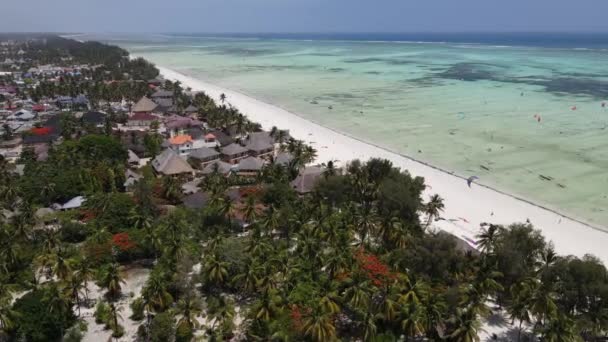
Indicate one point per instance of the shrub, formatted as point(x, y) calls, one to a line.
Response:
point(137, 306)
point(102, 313)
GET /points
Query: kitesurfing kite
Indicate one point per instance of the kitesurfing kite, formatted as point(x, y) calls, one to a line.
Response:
point(573, 108)
point(471, 179)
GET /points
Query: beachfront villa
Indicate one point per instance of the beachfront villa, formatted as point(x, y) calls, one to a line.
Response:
point(234, 153)
point(260, 144)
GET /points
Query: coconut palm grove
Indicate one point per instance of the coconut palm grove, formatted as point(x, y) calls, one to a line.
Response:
point(112, 230)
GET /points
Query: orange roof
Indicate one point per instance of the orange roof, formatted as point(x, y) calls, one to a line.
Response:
point(180, 139)
point(209, 136)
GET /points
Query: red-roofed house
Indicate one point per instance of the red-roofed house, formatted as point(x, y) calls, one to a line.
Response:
point(182, 144)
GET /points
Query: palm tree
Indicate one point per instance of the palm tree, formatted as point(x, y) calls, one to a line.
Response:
point(433, 208)
point(250, 210)
point(412, 320)
point(467, 327)
point(434, 309)
point(267, 306)
point(220, 310)
point(171, 189)
point(73, 290)
point(560, 329)
point(319, 326)
point(111, 278)
point(486, 240)
point(155, 292)
point(222, 97)
point(215, 269)
point(61, 266)
point(7, 315)
point(84, 273)
point(189, 307)
point(115, 315)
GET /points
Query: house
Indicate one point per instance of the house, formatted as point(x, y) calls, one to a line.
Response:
point(233, 153)
point(307, 179)
point(133, 159)
point(81, 101)
point(219, 167)
point(260, 144)
point(170, 163)
point(144, 105)
point(131, 178)
point(182, 144)
point(141, 119)
point(190, 110)
point(219, 137)
point(11, 149)
point(94, 118)
point(162, 94)
point(134, 141)
point(165, 106)
point(204, 156)
point(22, 115)
point(176, 124)
point(250, 166)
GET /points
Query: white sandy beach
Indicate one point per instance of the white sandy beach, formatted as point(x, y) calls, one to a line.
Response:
point(465, 208)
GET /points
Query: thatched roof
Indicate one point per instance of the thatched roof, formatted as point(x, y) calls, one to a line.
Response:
point(169, 163)
point(203, 153)
point(233, 149)
point(220, 166)
point(307, 179)
point(251, 164)
point(145, 105)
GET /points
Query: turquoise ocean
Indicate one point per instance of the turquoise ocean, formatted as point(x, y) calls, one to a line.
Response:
point(525, 113)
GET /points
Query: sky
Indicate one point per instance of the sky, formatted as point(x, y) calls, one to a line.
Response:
point(251, 16)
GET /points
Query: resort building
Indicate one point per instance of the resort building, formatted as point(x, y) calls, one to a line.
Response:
point(250, 166)
point(144, 105)
point(234, 153)
point(170, 163)
point(219, 167)
point(307, 179)
point(260, 144)
point(182, 144)
point(203, 156)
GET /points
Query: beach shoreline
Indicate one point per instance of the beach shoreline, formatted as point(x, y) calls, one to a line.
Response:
point(466, 208)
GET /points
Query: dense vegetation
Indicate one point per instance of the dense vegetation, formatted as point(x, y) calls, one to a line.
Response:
point(350, 261)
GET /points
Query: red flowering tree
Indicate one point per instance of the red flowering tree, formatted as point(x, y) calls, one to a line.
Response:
point(374, 269)
point(123, 242)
